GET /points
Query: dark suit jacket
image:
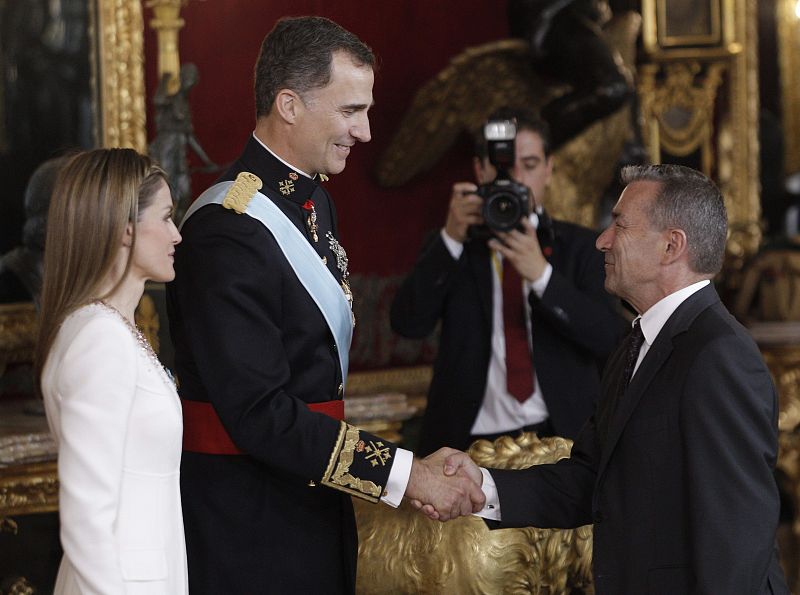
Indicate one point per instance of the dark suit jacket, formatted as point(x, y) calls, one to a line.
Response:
point(574, 325)
point(250, 340)
point(681, 493)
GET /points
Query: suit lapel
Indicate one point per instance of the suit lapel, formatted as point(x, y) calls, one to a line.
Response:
point(680, 322)
point(480, 265)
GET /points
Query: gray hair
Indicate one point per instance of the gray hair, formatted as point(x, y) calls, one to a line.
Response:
point(690, 201)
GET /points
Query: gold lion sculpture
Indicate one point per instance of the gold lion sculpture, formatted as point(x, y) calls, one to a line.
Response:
point(402, 551)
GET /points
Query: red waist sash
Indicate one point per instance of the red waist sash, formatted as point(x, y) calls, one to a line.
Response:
point(203, 431)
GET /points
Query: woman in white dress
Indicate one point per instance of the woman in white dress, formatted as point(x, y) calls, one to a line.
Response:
point(110, 404)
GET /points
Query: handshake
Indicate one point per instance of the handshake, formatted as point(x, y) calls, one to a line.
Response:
point(445, 485)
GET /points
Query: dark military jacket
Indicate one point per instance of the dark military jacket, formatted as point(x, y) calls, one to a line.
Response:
point(250, 340)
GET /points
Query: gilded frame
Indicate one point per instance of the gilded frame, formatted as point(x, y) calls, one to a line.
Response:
point(788, 30)
point(117, 43)
point(17, 333)
point(119, 74)
point(668, 38)
point(735, 139)
point(117, 56)
point(720, 39)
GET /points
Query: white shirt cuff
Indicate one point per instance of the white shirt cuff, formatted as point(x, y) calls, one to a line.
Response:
point(454, 247)
point(490, 510)
point(398, 478)
point(540, 285)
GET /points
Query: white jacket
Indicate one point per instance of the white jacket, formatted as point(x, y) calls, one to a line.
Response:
point(117, 420)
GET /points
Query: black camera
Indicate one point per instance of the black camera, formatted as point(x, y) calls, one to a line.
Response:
point(505, 201)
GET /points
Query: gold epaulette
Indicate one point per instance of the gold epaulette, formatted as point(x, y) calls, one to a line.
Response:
point(341, 473)
point(242, 192)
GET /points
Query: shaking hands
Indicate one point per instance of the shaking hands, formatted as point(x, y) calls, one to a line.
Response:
point(445, 485)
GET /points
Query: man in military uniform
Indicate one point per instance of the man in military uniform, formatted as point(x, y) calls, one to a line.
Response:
point(261, 323)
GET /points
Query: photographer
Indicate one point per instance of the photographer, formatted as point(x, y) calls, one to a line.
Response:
point(544, 307)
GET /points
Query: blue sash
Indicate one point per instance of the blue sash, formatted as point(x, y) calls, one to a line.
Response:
point(307, 264)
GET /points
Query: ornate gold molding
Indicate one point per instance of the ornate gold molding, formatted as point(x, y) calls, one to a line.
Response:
point(119, 75)
point(721, 42)
point(734, 115)
point(739, 179)
point(8, 525)
point(21, 586)
point(788, 32)
point(410, 554)
point(17, 333)
point(678, 103)
point(29, 489)
point(784, 364)
point(410, 381)
point(147, 320)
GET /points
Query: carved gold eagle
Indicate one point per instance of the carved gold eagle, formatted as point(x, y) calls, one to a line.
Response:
point(484, 78)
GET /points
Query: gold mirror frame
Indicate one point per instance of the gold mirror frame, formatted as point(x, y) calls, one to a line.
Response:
point(119, 75)
point(735, 140)
point(117, 56)
point(788, 28)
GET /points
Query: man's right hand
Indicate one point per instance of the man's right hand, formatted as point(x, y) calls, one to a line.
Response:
point(465, 210)
point(444, 497)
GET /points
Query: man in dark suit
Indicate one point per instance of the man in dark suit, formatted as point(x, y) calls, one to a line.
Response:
point(261, 321)
point(570, 325)
point(675, 469)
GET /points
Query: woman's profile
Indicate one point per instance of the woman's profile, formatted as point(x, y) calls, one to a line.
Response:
point(111, 406)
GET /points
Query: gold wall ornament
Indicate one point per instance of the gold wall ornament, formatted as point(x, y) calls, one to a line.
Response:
point(21, 586)
point(690, 28)
point(118, 76)
point(779, 343)
point(789, 480)
point(784, 363)
point(787, 25)
point(410, 380)
point(168, 23)
point(678, 106)
point(501, 71)
point(744, 240)
point(8, 525)
point(742, 190)
point(147, 321)
point(401, 551)
point(29, 489)
point(734, 139)
point(18, 328)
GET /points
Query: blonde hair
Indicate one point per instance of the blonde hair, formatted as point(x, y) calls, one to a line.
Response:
point(97, 194)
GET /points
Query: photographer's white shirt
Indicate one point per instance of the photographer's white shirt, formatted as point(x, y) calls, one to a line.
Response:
point(500, 411)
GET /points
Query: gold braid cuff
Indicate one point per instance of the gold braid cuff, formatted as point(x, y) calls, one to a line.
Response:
point(338, 476)
point(242, 192)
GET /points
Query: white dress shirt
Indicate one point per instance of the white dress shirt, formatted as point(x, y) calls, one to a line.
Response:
point(651, 322)
point(500, 411)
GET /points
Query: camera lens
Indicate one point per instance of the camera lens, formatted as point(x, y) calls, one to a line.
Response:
point(502, 211)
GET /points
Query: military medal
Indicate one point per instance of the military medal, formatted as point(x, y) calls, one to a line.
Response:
point(341, 264)
point(311, 220)
point(286, 187)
